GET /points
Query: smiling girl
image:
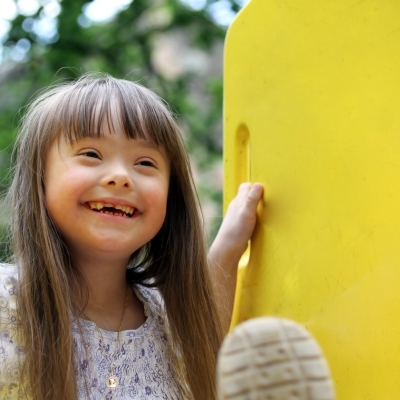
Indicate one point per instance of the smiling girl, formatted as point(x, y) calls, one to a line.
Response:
point(109, 294)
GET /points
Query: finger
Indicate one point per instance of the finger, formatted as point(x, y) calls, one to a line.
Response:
point(255, 193)
point(244, 188)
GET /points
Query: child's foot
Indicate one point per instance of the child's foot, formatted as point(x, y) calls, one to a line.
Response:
point(272, 359)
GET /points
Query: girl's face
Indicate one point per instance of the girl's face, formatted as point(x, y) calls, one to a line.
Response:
point(107, 195)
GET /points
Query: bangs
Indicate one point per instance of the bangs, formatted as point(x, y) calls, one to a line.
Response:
point(90, 106)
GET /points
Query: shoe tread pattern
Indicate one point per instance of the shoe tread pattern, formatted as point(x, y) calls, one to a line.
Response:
point(272, 359)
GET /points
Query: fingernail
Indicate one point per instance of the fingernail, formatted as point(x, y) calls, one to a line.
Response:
point(255, 192)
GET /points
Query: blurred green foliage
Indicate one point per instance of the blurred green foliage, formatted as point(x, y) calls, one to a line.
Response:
point(125, 46)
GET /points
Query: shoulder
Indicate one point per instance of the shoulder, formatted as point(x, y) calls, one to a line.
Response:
point(8, 287)
point(10, 348)
point(8, 298)
point(155, 310)
point(151, 298)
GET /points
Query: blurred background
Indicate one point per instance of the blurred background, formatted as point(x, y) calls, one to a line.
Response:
point(173, 47)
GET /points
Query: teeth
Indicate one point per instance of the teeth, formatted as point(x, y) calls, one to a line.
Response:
point(99, 206)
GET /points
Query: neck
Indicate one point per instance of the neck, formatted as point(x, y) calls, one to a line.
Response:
point(107, 289)
point(106, 280)
point(107, 286)
point(109, 294)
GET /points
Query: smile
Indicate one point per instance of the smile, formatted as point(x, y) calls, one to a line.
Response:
point(108, 208)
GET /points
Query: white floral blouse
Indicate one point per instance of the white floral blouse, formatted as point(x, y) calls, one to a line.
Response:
point(142, 363)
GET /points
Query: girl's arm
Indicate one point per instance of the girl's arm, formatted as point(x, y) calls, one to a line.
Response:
point(229, 245)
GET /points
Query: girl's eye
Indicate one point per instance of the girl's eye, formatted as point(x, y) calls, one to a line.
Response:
point(146, 163)
point(91, 154)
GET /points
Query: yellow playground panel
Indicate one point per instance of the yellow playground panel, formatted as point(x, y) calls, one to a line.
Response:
point(312, 110)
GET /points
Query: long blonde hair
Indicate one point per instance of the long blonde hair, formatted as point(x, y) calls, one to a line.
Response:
point(51, 287)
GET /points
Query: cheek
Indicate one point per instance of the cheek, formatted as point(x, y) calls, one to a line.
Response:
point(157, 201)
point(159, 206)
point(62, 195)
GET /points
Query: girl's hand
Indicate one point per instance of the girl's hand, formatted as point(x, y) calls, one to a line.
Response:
point(238, 224)
point(229, 245)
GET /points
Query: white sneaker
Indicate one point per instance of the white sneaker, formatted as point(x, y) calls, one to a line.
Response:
point(272, 359)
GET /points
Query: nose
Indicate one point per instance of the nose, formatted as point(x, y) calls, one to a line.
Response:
point(118, 177)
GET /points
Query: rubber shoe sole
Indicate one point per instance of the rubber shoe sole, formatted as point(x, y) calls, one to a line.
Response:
point(272, 359)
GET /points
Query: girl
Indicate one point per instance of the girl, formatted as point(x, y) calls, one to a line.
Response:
point(110, 294)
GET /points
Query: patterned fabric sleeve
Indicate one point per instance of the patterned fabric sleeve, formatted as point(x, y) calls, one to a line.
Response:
point(11, 352)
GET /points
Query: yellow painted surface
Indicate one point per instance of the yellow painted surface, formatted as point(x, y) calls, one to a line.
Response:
point(312, 110)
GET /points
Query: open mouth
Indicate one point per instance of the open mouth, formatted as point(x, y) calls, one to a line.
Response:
point(107, 208)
